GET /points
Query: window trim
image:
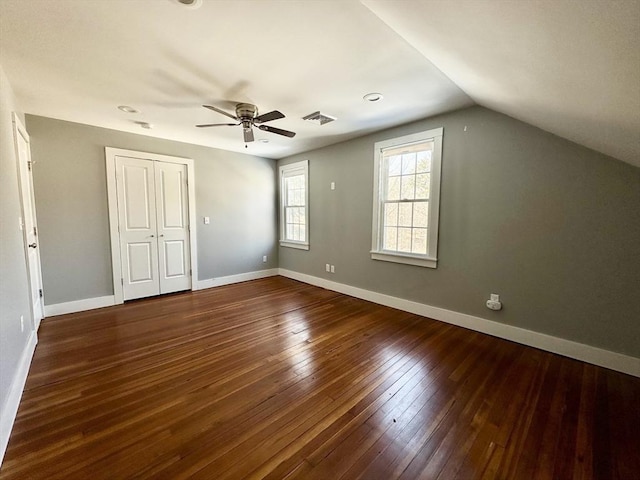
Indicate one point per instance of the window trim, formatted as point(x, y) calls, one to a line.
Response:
point(288, 170)
point(429, 260)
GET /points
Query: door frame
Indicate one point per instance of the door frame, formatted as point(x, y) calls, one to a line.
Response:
point(19, 129)
point(110, 158)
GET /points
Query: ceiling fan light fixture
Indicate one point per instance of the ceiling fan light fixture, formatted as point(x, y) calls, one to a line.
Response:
point(373, 97)
point(247, 116)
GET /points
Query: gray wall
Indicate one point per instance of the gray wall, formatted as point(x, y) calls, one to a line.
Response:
point(14, 287)
point(237, 191)
point(552, 227)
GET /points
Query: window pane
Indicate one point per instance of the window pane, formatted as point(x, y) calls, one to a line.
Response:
point(422, 185)
point(424, 161)
point(391, 214)
point(419, 241)
point(408, 187)
point(393, 188)
point(402, 197)
point(421, 214)
point(404, 239)
point(390, 238)
point(404, 214)
point(394, 165)
point(294, 187)
point(408, 163)
point(296, 181)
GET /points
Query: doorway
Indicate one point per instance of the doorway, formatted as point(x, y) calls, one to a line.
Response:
point(151, 213)
point(28, 224)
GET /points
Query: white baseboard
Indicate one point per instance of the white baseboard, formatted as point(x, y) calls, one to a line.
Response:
point(586, 353)
point(109, 300)
point(78, 305)
point(241, 277)
point(10, 407)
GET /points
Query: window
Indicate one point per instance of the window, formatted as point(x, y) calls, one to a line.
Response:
point(406, 199)
point(294, 205)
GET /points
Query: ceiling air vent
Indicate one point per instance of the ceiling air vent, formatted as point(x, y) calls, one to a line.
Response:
point(319, 118)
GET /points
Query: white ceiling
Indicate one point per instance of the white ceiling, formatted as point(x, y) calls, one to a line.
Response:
point(569, 67)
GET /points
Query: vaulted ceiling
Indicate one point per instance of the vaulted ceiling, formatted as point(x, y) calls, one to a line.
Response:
point(569, 67)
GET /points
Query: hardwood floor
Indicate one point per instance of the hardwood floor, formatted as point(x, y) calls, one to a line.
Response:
point(277, 379)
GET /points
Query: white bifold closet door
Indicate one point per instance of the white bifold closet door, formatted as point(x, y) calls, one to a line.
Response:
point(153, 227)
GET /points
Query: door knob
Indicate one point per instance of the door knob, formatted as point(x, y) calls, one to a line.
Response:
point(33, 245)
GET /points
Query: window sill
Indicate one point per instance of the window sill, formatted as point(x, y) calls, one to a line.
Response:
point(406, 259)
point(299, 246)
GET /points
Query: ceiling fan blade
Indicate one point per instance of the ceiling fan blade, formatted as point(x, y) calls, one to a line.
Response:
point(216, 109)
point(248, 135)
point(217, 125)
point(267, 117)
point(278, 131)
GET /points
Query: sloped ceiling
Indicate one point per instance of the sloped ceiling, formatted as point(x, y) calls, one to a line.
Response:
point(569, 67)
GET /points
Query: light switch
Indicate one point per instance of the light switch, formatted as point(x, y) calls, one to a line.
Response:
point(206, 220)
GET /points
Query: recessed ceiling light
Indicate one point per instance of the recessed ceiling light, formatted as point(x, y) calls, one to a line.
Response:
point(146, 125)
point(373, 97)
point(128, 109)
point(189, 3)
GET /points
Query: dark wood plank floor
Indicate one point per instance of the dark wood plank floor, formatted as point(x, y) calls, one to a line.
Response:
point(280, 380)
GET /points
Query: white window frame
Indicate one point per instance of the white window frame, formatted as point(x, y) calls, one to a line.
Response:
point(377, 253)
point(290, 170)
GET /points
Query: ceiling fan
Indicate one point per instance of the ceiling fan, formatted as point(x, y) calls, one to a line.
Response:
point(247, 116)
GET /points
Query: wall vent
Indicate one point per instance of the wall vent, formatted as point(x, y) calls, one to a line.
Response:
point(319, 118)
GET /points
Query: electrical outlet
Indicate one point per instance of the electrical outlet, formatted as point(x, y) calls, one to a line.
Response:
point(22, 323)
point(494, 302)
point(333, 185)
point(264, 259)
point(333, 269)
point(327, 267)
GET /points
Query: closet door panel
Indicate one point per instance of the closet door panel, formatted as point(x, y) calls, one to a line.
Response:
point(172, 207)
point(137, 220)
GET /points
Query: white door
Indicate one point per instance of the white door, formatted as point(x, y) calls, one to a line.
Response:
point(29, 224)
point(172, 213)
point(153, 219)
point(137, 224)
